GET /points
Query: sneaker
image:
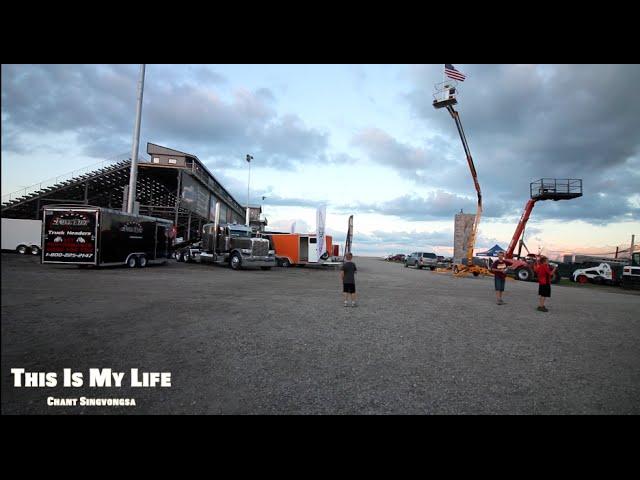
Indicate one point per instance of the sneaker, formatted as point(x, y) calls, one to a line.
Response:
point(346, 304)
point(354, 304)
point(540, 309)
point(500, 302)
point(544, 309)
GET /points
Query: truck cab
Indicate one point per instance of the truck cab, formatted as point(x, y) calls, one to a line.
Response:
point(234, 244)
point(631, 273)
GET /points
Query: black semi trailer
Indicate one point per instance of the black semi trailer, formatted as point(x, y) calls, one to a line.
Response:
point(87, 235)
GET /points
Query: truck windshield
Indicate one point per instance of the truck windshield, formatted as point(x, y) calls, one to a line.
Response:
point(239, 233)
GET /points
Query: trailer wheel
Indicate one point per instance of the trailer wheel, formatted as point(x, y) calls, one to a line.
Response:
point(524, 275)
point(35, 250)
point(235, 262)
point(582, 279)
point(132, 261)
point(22, 249)
point(142, 261)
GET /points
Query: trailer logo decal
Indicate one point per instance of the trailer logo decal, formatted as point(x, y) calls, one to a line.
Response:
point(70, 220)
point(131, 227)
point(69, 237)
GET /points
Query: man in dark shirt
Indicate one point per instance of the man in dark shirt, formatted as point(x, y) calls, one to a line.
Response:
point(347, 273)
point(499, 268)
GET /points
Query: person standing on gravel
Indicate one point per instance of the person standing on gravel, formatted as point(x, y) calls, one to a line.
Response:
point(544, 273)
point(499, 268)
point(348, 275)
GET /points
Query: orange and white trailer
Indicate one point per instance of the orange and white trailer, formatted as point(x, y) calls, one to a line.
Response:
point(299, 248)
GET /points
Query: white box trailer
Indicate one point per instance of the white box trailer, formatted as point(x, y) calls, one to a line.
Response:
point(22, 236)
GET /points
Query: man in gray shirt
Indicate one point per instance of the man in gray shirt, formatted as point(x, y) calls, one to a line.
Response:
point(348, 275)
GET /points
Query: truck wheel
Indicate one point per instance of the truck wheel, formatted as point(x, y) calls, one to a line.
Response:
point(555, 278)
point(22, 249)
point(406, 265)
point(582, 279)
point(142, 261)
point(265, 268)
point(432, 268)
point(132, 262)
point(524, 275)
point(285, 263)
point(235, 262)
point(35, 250)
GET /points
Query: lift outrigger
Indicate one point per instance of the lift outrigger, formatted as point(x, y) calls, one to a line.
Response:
point(445, 97)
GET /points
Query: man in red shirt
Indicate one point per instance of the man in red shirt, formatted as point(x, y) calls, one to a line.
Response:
point(544, 273)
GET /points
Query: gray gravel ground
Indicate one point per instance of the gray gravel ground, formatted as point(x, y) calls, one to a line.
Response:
point(280, 342)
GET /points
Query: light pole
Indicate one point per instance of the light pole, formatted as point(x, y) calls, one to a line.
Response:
point(133, 176)
point(249, 158)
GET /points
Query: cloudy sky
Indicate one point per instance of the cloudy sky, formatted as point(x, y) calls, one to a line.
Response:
point(362, 139)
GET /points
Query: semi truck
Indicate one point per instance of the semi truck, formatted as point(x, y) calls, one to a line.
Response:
point(233, 244)
point(21, 236)
point(88, 235)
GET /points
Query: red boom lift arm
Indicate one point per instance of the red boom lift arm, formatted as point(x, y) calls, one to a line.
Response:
point(520, 228)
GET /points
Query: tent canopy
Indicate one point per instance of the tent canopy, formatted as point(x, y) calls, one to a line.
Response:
point(492, 252)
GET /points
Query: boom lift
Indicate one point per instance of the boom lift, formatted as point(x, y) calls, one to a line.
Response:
point(445, 97)
point(543, 189)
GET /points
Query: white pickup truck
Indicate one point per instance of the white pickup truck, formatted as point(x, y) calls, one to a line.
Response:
point(22, 236)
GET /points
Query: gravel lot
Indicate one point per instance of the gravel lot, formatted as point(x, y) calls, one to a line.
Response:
point(280, 342)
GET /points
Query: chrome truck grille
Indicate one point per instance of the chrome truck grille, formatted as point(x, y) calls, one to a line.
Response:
point(259, 247)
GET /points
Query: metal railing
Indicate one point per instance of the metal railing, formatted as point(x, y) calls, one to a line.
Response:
point(29, 190)
point(570, 186)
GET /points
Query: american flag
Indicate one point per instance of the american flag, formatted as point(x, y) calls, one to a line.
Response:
point(451, 72)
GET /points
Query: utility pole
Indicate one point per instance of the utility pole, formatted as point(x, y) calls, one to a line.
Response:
point(249, 158)
point(633, 238)
point(133, 176)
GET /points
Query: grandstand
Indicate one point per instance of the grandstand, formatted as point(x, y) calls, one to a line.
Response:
point(170, 184)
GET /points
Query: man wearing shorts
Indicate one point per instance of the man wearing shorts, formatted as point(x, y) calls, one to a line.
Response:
point(499, 268)
point(348, 274)
point(544, 273)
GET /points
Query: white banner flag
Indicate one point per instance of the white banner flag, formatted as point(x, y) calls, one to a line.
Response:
point(321, 247)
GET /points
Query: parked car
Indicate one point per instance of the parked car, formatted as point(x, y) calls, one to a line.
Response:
point(400, 257)
point(421, 260)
